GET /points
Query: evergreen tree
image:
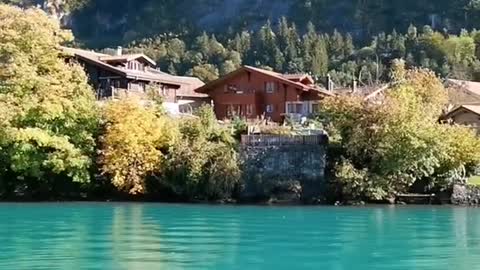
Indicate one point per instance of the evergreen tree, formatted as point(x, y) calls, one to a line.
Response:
point(349, 47)
point(319, 58)
point(336, 46)
point(202, 45)
point(267, 51)
point(227, 67)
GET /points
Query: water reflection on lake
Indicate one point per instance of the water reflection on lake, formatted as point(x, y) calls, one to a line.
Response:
point(157, 236)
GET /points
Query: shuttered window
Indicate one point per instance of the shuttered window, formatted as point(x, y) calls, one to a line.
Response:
point(270, 87)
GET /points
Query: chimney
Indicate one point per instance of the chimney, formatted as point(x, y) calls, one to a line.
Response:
point(329, 83)
point(119, 51)
point(354, 86)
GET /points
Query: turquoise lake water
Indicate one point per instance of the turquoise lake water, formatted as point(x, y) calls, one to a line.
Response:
point(160, 236)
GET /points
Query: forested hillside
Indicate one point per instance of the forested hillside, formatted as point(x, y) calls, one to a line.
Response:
point(284, 48)
point(350, 39)
point(105, 22)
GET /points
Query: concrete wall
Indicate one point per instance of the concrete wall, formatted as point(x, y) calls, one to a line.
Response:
point(292, 173)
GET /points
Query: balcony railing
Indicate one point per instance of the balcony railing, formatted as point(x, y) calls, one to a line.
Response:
point(116, 93)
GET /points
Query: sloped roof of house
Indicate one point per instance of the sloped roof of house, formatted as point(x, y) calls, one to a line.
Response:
point(88, 53)
point(281, 77)
point(368, 92)
point(299, 77)
point(96, 59)
point(187, 84)
point(474, 108)
point(127, 57)
point(462, 92)
point(473, 87)
point(295, 76)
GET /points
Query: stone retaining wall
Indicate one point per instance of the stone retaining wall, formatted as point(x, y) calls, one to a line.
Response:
point(284, 172)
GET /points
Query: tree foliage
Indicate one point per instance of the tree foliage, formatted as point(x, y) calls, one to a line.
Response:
point(134, 144)
point(204, 163)
point(383, 149)
point(48, 115)
point(141, 149)
point(281, 47)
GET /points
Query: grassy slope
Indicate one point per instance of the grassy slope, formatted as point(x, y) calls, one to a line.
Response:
point(475, 180)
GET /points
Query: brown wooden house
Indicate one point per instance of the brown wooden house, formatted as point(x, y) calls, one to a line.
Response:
point(465, 115)
point(251, 93)
point(134, 74)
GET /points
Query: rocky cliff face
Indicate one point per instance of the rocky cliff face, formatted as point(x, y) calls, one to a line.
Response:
point(58, 9)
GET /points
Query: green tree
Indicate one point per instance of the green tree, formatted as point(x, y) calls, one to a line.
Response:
point(383, 149)
point(319, 58)
point(204, 163)
point(267, 51)
point(241, 43)
point(336, 46)
point(227, 67)
point(49, 118)
point(460, 49)
point(205, 72)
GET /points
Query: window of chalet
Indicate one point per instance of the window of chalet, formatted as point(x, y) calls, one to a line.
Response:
point(299, 108)
point(233, 88)
point(315, 108)
point(296, 108)
point(115, 83)
point(270, 87)
point(164, 90)
point(269, 108)
point(135, 65)
point(290, 108)
point(137, 86)
point(232, 110)
point(239, 110)
point(229, 110)
point(249, 109)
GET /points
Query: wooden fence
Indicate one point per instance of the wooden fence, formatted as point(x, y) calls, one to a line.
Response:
point(273, 140)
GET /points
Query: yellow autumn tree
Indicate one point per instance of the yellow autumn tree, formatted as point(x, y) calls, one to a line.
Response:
point(135, 141)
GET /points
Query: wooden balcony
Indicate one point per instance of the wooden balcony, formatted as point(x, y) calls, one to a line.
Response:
point(116, 93)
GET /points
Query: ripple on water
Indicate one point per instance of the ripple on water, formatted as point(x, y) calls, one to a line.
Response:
point(150, 236)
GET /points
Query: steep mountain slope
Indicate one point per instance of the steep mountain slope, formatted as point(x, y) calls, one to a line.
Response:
point(106, 22)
